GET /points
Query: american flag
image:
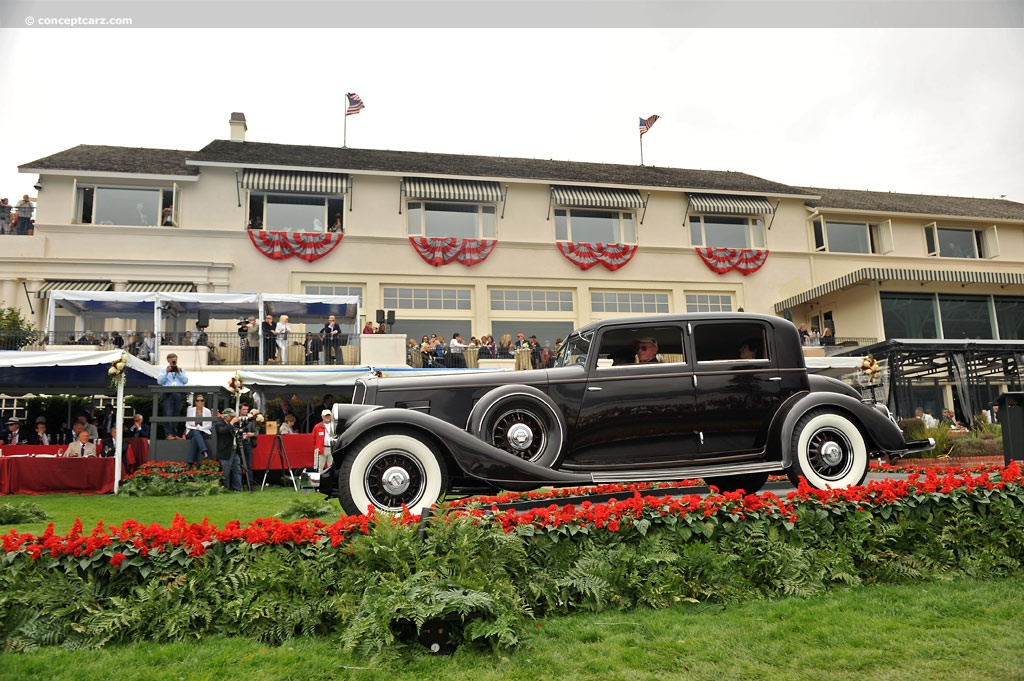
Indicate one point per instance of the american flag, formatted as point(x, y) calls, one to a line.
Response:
point(647, 123)
point(355, 104)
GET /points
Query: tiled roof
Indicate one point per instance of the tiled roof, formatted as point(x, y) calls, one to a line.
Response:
point(89, 157)
point(888, 202)
point(423, 163)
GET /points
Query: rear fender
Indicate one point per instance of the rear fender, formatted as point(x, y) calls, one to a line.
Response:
point(880, 433)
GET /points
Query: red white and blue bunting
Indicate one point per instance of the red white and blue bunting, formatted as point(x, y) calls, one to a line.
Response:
point(722, 260)
point(609, 256)
point(306, 245)
point(443, 250)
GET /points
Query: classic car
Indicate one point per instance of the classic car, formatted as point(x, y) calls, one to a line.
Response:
point(723, 397)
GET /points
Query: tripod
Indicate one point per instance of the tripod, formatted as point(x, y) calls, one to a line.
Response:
point(282, 457)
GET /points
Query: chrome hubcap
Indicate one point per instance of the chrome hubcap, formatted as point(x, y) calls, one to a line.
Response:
point(395, 480)
point(520, 437)
point(831, 454)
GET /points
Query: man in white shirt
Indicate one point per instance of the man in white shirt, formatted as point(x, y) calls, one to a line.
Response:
point(455, 348)
point(197, 431)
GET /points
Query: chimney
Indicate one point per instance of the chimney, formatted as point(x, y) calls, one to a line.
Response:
point(238, 127)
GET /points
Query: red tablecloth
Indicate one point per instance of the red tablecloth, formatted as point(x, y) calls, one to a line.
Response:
point(138, 454)
point(299, 448)
point(56, 475)
point(19, 450)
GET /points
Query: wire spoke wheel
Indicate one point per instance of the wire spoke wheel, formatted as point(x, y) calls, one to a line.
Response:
point(394, 479)
point(521, 432)
point(828, 450)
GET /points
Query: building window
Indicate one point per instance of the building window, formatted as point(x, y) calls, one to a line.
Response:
point(627, 302)
point(709, 302)
point(327, 290)
point(406, 298)
point(530, 300)
point(852, 237)
point(293, 212)
point(924, 315)
point(946, 242)
point(459, 220)
point(721, 231)
point(582, 225)
point(139, 206)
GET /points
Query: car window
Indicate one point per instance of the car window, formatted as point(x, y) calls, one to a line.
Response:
point(574, 350)
point(730, 342)
point(641, 345)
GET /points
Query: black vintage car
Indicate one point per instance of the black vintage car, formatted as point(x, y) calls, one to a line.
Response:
point(724, 397)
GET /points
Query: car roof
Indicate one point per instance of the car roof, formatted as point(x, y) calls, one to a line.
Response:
point(643, 320)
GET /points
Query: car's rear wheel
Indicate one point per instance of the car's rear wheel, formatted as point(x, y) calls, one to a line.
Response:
point(389, 469)
point(751, 483)
point(828, 451)
point(521, 424)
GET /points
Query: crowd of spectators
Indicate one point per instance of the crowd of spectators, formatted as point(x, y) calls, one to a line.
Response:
point(434, 350)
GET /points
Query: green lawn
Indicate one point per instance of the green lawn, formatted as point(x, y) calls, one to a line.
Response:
point(965, 629)
point(957, 630)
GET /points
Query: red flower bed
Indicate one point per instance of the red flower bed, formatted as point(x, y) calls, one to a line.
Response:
point(132, 537)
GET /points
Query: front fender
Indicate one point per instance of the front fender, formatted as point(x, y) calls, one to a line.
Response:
point(473, 456)
point(880, 433)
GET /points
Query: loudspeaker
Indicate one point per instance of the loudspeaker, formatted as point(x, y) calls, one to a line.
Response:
point(380, 316)
point(391, 317)
point(204, 319)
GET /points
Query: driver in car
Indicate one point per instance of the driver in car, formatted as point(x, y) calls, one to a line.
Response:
point(646, 350)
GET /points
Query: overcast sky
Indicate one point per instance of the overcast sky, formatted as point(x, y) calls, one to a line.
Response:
point(931, 111)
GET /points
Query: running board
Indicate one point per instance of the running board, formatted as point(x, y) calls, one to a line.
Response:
point(683, 473)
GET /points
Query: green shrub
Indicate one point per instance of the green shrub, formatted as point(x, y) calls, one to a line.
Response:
point(22, 513)
point(978, 447)
point(913, 429)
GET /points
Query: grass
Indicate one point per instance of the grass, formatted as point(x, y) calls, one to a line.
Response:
point(112, 510)
point(956, 630)
point(965, 629)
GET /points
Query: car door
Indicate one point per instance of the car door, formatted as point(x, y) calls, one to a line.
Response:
point(634, 414)
point(738, 387)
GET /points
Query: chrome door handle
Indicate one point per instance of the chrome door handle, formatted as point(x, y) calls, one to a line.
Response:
point(593, 388)
point(775, 378)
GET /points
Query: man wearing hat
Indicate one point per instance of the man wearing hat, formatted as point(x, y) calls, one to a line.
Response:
point(646, 350)
point(323, 439)
point(227, 450)
point(14, 436)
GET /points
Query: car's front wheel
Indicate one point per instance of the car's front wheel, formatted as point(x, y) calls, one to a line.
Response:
point(389, 469)
point(828, 451)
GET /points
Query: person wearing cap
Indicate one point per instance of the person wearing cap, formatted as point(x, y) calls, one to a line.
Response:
point(323, 437)
point(227, 450)
point(646, 350)
point(14, 436)
point(248, 434)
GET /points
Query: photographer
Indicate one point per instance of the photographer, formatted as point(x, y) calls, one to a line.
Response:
point(225, 429)
point(248, 432)
point(172, 375)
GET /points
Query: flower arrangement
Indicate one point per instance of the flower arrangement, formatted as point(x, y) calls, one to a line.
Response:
point(235, 385)
point(257, 417)
point(117, 369)
point(870, 369)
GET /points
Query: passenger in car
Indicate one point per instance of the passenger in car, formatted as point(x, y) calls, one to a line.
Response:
point(622, 356)
point(646, 350)
point(750, 349)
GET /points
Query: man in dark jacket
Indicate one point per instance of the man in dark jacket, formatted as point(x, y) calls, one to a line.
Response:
point(227, 450)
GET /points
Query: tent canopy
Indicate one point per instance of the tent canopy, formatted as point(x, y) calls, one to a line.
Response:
point(299, 308)
point(68, 372)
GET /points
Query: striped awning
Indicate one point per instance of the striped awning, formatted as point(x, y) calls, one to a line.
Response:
point(294, 181)
point(732, 205)
point(883, 274)
point(159, 287)
point(66, 285)
point(594, 197)
point(452, 190)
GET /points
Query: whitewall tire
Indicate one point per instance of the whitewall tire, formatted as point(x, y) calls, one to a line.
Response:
point(828, 451)
point(387, 470)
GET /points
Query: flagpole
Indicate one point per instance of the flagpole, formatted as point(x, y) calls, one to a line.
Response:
point(641, 148)
point(344, 127)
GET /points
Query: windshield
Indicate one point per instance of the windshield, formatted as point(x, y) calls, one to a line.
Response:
point(574, 350)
